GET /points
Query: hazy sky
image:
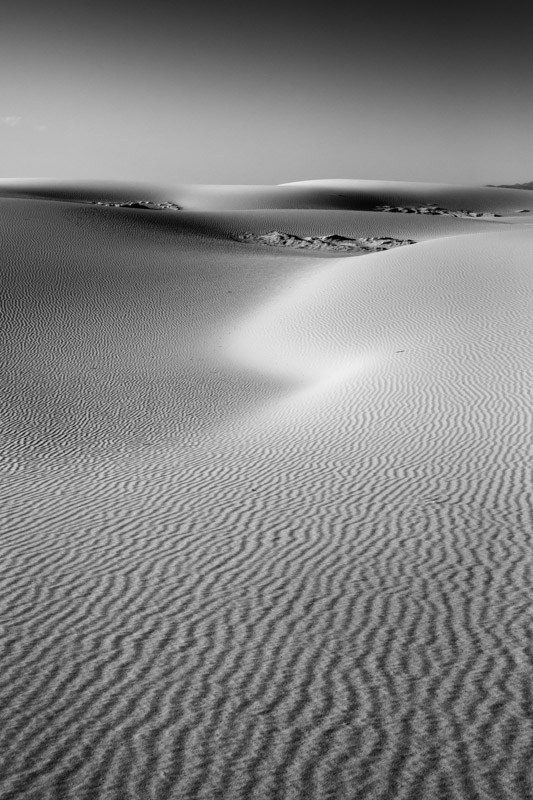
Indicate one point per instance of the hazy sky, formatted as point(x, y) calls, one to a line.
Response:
point(197, 92)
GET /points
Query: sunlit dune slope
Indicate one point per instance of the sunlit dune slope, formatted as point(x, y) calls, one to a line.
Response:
point(352, 195)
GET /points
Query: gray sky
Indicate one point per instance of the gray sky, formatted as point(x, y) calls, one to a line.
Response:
point(202, 92)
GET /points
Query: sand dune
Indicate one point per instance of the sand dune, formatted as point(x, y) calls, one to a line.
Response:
point(352, 195)
point(266, 514)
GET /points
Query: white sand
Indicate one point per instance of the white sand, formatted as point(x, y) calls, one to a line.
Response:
point(266, 516)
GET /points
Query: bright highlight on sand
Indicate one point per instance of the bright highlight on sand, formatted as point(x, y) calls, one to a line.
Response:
point(294, 335)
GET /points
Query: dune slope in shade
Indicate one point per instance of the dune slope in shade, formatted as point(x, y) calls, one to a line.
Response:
point(266, 517)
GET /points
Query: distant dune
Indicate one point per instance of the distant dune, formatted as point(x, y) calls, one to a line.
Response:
point(516, 185)
point(266, 510)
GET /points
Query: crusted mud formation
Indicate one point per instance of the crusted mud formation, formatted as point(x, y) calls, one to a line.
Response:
point(145, 205)
point(332, 242)
point(435, 211)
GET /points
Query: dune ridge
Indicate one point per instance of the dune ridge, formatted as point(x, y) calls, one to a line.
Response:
point(265, 519)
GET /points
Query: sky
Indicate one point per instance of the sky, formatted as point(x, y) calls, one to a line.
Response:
point(205, 92)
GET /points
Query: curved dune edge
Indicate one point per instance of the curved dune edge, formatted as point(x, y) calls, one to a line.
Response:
point(338, 312)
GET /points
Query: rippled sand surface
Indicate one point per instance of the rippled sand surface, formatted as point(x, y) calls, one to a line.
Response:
point(266, 517)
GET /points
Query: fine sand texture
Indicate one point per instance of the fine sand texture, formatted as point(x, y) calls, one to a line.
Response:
point(266, 514)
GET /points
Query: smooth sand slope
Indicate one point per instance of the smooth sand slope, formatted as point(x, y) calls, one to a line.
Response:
point(266, 514)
